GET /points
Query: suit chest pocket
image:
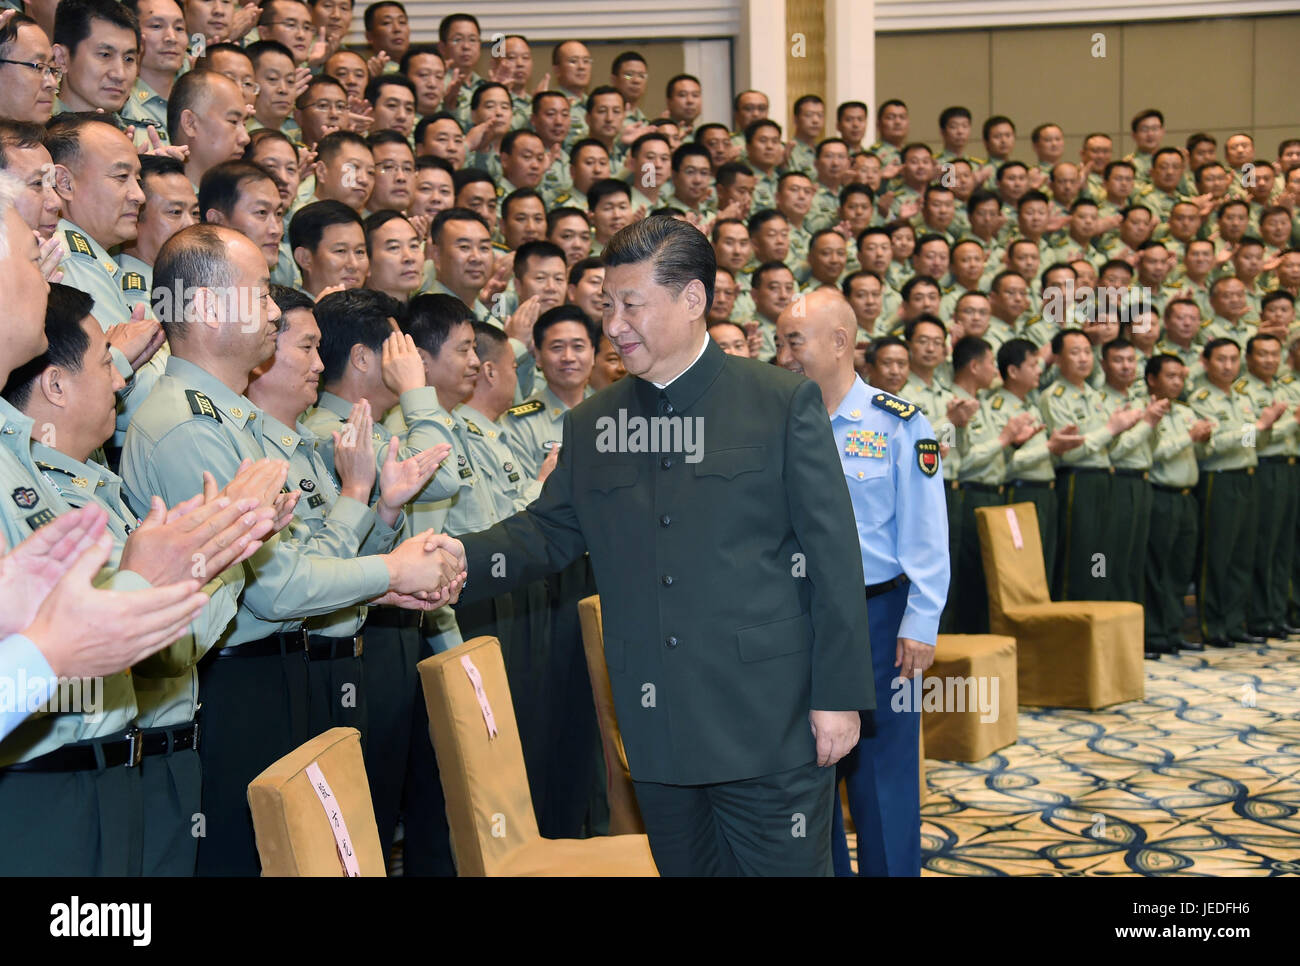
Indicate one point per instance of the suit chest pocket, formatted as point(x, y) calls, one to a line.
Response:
point(731, 463)
point(610, 479)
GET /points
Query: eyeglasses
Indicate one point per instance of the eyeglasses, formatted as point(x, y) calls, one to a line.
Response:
point(627, 76)
point(46, 70)
point(338, 107)
point(392, 167)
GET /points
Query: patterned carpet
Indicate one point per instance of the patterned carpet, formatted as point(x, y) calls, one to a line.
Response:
point(1201, 778)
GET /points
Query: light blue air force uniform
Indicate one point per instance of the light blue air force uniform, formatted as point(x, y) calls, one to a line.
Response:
point(892, 467)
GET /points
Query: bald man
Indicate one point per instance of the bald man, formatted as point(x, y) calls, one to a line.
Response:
point(206, 113)
point(891, 464)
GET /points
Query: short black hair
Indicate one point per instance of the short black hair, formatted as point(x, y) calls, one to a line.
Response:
point(377, 84)
point(452, 214)
point(951, 113)
point(678, 251)
point(564, 313)
point(1158, 362)
point(378, 220)
point(220, 185)
point(1141, 116)
point(1014, 352)
point(288, 299)
point(968, 349)
point(372, 11)
point(446, 23)
point(1213, 344)
point(580, 269)
point(689, 150)
point(68, 342)
point(256, 51)
point(63, 134)
point(309, 224)
point(539, 248)
point(355, 316)
point(23, 134)
point(431, 317)
point(925, 318)
point(521, 194)
point(601, 189)
point(73, 19)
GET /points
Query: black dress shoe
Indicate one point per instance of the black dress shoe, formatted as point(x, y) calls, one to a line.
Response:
point(1220, 642)
point(1153, 651)
point(1250, 639)
point(1191, 646)
point(1289, 629)
point(1152, 655)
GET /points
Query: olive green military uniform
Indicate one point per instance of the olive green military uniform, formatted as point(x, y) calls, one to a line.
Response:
point(1083, 479)
point(145, 107)
point(1239, 332)
point(463, 97)
point(1225, 493)
point(1172, 537)
point(1276, 492)
point(1031, 476)
point(981, 482)
point(54, 804)
point(166, 701)
point(825, 209)
point(1130, 492)
point(255, 689)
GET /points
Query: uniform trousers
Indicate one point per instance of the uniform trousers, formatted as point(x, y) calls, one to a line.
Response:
point(1225, 551)
point(972, 593)
point(1171, 556)
point(1085, 551)
point(882, 772)
point(1130, 514)
point(773, 825)
point(1277, 490)
point(952, 497)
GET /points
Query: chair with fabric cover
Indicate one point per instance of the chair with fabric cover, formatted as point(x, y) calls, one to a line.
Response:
point(295, 828)
point(1069, 654)
point(489, 805)
point(624, 815)
point(960, 661)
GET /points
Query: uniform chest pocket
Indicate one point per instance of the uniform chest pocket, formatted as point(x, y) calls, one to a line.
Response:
point(864, 470)
point(607, 478)
point(730, 463)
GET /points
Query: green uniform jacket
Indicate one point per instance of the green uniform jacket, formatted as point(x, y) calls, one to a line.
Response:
point(731, 579)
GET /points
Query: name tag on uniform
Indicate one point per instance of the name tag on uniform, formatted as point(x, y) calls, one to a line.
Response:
point(866, 442)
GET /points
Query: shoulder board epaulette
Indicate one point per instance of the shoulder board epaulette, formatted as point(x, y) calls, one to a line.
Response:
point(1203, 395)
point(1181, 402)
point(561, 199)
point(78, 244)
point(201, 405)
point(1239, 385)
point(528, 408)
point(892, 404)
point(997, 402)
point(501, 246)
point(1205, 322)
point(132, 282)
point(500, 191)
point(1287, 380)
point(470, 427)
point(1059, 391)
point(1036, 318)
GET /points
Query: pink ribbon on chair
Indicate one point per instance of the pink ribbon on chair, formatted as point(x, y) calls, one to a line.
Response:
point(476, 679)
point(1016, 539)
point(347, 855)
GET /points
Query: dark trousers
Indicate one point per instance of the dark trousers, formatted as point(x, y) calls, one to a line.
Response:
point(1084, 532)
point(171, 789)
point(973, 594)
point(1276, 494)
point(1225, 552)
point(255, 710)
point(881, 773)
point(1130, 516)
point(75, 823)
point(1171, 554)
point(426, 849)
point(1043, 496)
point(392, 649)
point(777, 824)
point(952, 495)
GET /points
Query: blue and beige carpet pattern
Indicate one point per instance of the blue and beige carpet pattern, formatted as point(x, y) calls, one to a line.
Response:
point(1201, 778)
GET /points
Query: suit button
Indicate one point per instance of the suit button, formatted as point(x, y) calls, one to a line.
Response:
point(668, 408)
point(670, 641)
point(665, 520)
point(666, 580)
point(666, 462)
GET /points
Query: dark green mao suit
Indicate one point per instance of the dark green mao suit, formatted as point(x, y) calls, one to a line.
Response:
point(731, 585)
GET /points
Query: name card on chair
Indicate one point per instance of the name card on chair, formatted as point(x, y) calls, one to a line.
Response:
point(476, 679)
point(1017, 540)
point(347, 855)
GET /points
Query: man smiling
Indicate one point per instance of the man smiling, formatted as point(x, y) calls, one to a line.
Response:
point(723, 755)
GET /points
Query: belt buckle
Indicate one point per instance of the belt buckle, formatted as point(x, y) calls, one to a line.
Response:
point(135, 748)
point(358, 645)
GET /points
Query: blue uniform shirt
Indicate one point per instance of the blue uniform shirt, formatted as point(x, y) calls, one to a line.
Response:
point(891, 464)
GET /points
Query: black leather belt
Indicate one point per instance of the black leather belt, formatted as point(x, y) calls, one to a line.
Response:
point(1245, 470)
point(875, 590)
point(1137, 474)
point(1180, 490)
point(983, 487)
point(1084, 470)
point(314, 647)
point(1289, 460)
point(121, 750)
point(1032, 485)
point(398, 617)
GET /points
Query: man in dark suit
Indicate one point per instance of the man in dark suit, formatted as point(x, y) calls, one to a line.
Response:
point(709, 494)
